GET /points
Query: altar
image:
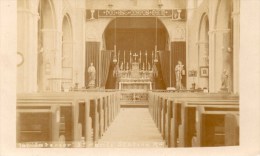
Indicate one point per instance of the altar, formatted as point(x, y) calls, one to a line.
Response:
point(138, 76)
point(135, 85)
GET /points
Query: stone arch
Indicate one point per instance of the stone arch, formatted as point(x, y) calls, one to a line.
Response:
point(47, 13)
point(204, 23)
point(138, 29)
point(23, 4)
point(67, 51)
point(159, 20)
point(66, 10)
point(67, 26)
point(223, 14)
point(203, 49)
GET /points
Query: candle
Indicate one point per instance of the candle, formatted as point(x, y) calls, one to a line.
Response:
point(124, 57)
point(118, 56)
point(146, 59)
point(152, 57)
point(130, 59)
point(140, 57)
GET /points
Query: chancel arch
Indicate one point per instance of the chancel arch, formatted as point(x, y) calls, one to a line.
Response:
point(137, 36)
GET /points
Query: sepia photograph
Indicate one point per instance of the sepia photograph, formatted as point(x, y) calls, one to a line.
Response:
point(129, 74)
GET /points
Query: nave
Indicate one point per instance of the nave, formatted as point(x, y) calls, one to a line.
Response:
point(97, 119)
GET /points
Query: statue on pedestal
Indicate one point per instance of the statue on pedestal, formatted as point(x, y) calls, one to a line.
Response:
point(91, 75)
point(224, 81)
point(122, 66)
point(179, 68)
point(149, 66)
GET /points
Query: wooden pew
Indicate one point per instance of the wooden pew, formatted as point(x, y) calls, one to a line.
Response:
point(69, 110)
point(231, 129)
point(87, 115)
point(154, 99)
point(162, 108)
point(210, 127)
point(40, 125)
point(186, 127)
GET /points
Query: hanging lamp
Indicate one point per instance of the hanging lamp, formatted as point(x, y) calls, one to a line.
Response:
point(115, 58)
point(155, 50)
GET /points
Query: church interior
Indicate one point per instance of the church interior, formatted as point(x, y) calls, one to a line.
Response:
point(132, 73)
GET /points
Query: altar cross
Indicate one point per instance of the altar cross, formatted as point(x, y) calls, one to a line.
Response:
point(135, 55)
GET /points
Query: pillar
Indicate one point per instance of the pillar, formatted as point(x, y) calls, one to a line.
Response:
point(219, 57)
point(203, 61)
point(27, 45)
point(51, 80)
point(236, 48)
point(79, 45)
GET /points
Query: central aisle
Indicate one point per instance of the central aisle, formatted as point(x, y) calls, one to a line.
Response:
point(133, 127)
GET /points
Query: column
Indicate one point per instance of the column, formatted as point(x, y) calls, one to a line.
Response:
point(79, 45)
point(219, 59)
point(51, 80)
point(212, 38)
point(33, 59)
point(228, 59)
point(236, 50)
point(27, 45)
point(190, 42)
point(67, 64)
point(203, 61)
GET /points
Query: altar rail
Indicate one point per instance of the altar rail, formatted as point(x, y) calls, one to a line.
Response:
point(196, 119)
point(75, 119)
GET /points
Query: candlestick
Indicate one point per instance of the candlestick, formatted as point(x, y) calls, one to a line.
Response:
point(118, 56)
point(135, 55)
point(152, 58)
point(130, 59)
point(140, 59)
point(114, 57)
point(146, 60)
point(124, 59)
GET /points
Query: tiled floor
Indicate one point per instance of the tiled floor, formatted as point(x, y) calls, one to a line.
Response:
point(133, 127)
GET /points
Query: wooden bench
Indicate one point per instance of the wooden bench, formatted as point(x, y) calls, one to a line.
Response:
point(186, 128)
point(175, 116)
point(74, 116)
point(210, 128)
point(40, 125)
point(231, 129)
point(166, 112)
point(156, 98)
point(88, 111)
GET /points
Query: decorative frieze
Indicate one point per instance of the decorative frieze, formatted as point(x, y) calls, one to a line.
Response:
point(174, 14)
